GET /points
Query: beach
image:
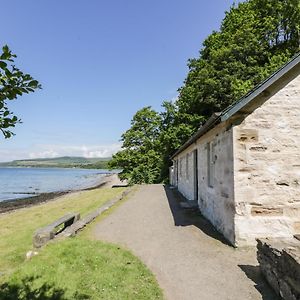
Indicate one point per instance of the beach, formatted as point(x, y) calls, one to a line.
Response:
point(107, 181)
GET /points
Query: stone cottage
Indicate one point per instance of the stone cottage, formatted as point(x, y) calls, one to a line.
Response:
point(243, 165)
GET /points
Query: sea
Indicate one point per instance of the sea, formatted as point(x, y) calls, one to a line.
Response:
point(18, 183)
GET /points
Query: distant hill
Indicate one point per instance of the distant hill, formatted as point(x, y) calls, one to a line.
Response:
point(60, 162)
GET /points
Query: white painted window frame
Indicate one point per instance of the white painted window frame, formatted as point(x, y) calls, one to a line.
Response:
point(210, 164)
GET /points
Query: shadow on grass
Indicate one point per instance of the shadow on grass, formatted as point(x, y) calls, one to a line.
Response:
point(187, 217)
point(119, 186)
point(253, 273)
point(24, 290)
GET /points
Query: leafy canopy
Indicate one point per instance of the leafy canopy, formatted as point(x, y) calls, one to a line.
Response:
point(13, 83)
point(256, 37)
point(254, 40)
point(140, 159)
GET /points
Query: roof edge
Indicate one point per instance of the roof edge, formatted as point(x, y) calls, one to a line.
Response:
point(260, 88)
point(209, 124)
point(239, 104)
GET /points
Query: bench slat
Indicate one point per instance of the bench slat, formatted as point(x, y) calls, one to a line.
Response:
point(44, 234)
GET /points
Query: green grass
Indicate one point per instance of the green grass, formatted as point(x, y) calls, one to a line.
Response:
point(80, 269)
point(75, 268)
point(17, 228)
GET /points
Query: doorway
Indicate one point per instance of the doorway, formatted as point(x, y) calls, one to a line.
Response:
point(195, 166)
point(176, 172)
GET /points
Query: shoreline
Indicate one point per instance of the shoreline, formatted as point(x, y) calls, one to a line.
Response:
point(108, 180)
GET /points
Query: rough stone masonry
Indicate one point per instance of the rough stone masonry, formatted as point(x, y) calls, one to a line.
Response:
point(280, 264)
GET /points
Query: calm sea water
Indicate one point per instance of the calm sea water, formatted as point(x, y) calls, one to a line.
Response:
point(24, 182)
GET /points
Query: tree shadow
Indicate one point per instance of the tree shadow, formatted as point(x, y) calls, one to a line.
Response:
point(188, 217)
point(25, 290)
point(254, 273)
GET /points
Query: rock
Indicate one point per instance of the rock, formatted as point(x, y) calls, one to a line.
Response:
point(31, 254)
point(279, 261)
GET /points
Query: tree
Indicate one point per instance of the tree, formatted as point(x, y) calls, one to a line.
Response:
point(140, 158)
point(256, 37)
point(13, 83)
point(176, 128)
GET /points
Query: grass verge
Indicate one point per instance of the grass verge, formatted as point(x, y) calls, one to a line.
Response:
point(17, 228)
point(80, 269)
point(76, 268)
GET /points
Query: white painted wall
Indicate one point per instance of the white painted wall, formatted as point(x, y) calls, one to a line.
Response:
point(186, 173)
point(216, 203)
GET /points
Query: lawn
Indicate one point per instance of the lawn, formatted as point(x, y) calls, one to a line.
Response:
point(17, 228)
point(76, 268)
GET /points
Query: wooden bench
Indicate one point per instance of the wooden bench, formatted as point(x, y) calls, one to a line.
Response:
point(47, 233)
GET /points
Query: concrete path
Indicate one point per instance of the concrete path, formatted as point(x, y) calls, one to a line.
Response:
point(189, 259)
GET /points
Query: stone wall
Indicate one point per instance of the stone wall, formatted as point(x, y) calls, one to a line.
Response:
point(267, 168)
point(279, 262)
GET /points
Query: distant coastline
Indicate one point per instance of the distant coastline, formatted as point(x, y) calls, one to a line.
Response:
point(60, 162)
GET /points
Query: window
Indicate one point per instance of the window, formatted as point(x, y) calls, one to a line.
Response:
point(210, 164)
point(176, 166)
point(180, 167)
point(187, 166)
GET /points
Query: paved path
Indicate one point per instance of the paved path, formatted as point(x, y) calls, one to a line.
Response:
point(189, 259)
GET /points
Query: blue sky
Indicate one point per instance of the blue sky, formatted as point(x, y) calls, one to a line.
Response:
point(98, 62)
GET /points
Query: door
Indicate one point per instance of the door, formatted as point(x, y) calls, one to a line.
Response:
point(176, 173)
point(195, 164)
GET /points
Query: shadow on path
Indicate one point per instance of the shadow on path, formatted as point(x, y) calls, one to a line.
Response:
point(187, 217)
point(253, 273)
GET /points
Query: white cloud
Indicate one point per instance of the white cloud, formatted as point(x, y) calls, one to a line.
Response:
point(50, 151)
point(42, 154)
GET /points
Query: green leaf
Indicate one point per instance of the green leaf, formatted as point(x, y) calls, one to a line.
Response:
point(13, 83)
point(8, 73)
point(5, 49)
point(3, 65)
point(33, 83)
